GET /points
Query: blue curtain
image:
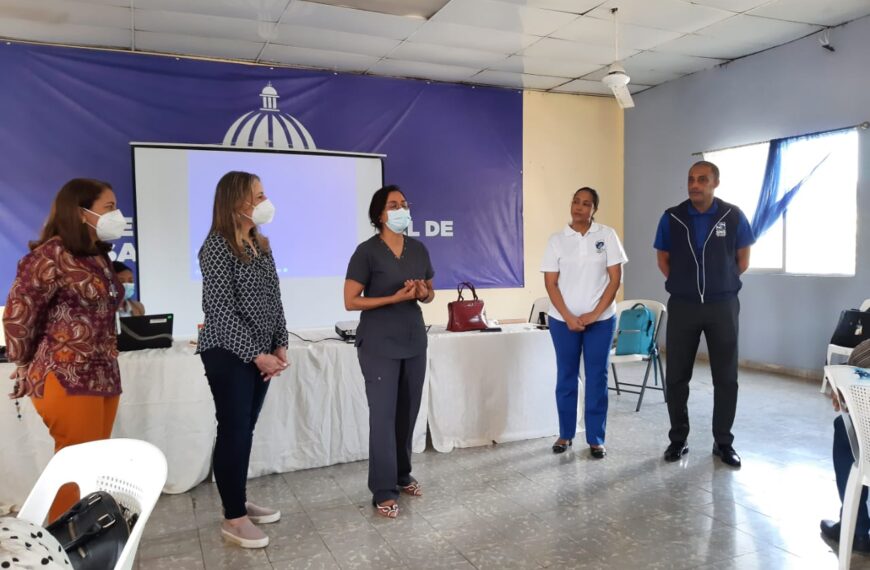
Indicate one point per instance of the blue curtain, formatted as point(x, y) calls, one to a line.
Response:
point(770, 205)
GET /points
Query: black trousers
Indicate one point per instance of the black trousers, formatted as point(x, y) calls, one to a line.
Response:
point(239, 392)
point(394, 388)
point(719, 323)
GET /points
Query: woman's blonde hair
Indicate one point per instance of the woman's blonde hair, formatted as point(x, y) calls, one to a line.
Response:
point(233, 190)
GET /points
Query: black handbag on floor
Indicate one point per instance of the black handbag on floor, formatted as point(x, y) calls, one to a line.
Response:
point(852, 329)
point(93, 532)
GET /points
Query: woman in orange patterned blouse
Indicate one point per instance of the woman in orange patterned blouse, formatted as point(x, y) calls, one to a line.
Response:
point(60, 321)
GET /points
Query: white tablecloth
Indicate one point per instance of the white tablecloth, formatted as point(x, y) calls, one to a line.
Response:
point(480, 387)
point(488, 386)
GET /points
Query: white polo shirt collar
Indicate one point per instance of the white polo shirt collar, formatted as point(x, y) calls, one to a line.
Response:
point(569, 231)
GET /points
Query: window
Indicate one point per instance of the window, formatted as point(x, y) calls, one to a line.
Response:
point(817, 233)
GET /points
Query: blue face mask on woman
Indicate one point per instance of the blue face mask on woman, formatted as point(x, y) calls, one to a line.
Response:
point(129, 290)
point(398, 220)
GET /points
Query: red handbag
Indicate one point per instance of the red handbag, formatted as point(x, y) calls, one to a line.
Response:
point(465, 315)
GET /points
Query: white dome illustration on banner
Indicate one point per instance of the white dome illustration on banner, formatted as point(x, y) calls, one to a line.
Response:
point(268, 127)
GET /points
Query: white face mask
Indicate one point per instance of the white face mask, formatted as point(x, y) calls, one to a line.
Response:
point(110, 226)
point(398, 220)
point(263, 213)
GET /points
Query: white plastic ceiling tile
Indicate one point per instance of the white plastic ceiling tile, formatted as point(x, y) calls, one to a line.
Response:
point(563, 49)
point(444, 55)
point(415, 69)
point(484, 39)
point(321, 59)
point(571, 6)
point(709, 46)
point(595, 31)
point(266, 10)
point(503, 16)
point(545, 66)
point(347, 20)
point(66, 12)
point(517, 80)
point(822, 12)
point(72, 34)
point(424, 9)
point(192, 45)
point(763, 31)
point(203, 25)
point(331, 40)
point(732, 5)
point(588, 87)
point(674, 15)
point(670, 62)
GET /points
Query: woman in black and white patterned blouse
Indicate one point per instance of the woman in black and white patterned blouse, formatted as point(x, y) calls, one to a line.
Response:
point(243, 343)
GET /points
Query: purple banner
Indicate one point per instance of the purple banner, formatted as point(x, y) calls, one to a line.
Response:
point(455, 150)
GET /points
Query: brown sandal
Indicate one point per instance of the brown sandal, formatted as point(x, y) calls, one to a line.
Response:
point(388, 511)
point(414, 489)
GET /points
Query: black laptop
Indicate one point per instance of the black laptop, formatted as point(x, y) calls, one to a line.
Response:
point(147, 331)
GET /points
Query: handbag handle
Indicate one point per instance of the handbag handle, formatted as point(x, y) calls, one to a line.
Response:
point(462, 286)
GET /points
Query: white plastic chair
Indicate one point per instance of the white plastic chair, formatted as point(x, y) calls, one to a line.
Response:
point(132, 471)
point(836, 349)
point(652, 358)
point(852, 384)
point(541, 305)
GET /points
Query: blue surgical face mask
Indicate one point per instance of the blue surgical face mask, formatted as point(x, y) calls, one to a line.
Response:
point(129, 290)
point(398, 220)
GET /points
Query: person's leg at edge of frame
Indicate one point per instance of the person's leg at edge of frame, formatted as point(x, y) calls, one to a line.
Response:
point(72, 419)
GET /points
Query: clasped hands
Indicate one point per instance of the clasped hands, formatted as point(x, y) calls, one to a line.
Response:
point(413, 289)
point(580, 322)
point(271, 365)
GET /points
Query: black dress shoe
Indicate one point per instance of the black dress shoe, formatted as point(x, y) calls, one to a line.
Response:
point(676, 450)
point(561, 447)
point(831, 529)
point(727, 454)
point(597, 452)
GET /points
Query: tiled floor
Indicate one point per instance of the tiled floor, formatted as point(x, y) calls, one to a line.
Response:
point(519, 506)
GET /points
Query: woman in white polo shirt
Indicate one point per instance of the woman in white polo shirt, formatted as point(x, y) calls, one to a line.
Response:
point(582, 271)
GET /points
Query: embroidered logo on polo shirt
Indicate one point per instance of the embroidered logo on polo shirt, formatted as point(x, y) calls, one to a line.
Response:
point(599, 246)
point(720, 229)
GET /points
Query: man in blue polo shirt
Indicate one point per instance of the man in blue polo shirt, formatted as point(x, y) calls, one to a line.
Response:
point(703, 247)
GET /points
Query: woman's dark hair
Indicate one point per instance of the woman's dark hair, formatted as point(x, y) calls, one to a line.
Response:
point(65, 218)
point(379, 202)
point(120, 267)
point(594, 194)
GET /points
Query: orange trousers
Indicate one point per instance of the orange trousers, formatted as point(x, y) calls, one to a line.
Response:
point(73, 419)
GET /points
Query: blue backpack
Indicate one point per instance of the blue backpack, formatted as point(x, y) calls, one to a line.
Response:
point(636, 330)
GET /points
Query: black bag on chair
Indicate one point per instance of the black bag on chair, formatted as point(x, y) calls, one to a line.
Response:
point(852, 329)
point(93, 532)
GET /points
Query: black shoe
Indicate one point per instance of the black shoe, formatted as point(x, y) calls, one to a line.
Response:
point(831, 529)
point(727, 454)
point(597, 452)
point(561, 447)
point(676, 450)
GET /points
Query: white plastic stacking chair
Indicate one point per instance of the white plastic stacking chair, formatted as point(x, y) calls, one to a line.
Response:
point(853, 386)
point(132, 471)
point(836, 349)
point(652, 358)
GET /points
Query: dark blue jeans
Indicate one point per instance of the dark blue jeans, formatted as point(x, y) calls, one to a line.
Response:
point(239, 392)
point(843, 460)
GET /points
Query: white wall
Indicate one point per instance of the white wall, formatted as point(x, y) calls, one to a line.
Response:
point(793, 89)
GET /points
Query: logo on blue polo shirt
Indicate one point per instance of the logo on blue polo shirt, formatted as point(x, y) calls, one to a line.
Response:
point(599, 246)
point(720, 229)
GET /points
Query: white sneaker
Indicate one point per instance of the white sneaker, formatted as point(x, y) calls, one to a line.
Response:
point(262, 515)
point(246, 534)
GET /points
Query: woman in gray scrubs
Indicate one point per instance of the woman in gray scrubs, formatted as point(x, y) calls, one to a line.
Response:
point(387, 277)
